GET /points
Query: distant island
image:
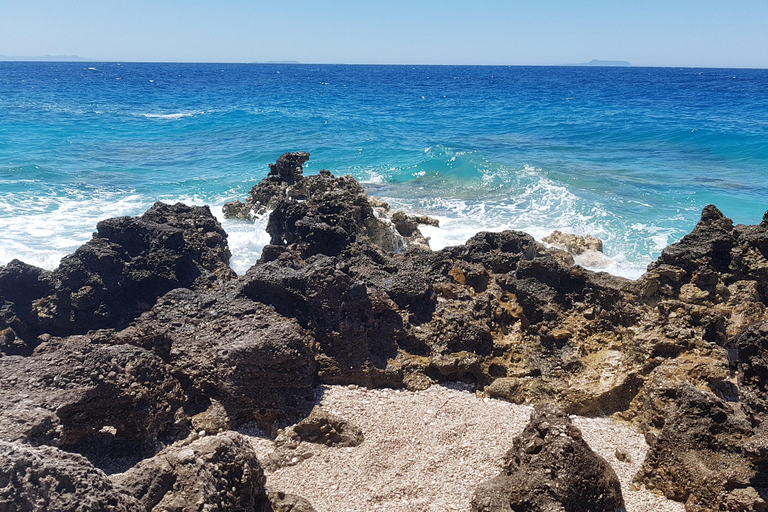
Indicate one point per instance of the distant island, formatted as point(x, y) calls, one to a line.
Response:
point(47, 58)
point(604, 63)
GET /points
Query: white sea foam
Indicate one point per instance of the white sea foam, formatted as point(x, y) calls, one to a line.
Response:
point(177, 115)
point(527, 200)
point(246, 239)
point(42, 229)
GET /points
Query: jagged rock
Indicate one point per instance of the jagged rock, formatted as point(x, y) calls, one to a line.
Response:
point(551, 468)
point(574, 244)
point(213, 420)
point(240, 353)
point(72, 388)
point(702, 266)
point(355, 324)
point(20, 285)
point(218, 472)
point(701, 455)
point(128, 264)
point(46, 478)
point(753, 371)
point(286, 171)
point(324, 214)
point(334, 300)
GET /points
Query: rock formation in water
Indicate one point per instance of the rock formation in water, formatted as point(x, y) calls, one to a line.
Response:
point(144, 336)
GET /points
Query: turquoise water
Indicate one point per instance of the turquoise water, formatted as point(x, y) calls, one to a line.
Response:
point(629, 155)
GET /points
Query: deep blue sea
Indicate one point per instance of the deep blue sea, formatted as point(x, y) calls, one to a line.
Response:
point(630, 155)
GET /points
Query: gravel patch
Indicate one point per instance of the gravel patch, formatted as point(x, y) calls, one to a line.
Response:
point(426, 451)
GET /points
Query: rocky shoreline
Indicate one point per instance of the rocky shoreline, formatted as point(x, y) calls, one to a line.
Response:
point(143, 351)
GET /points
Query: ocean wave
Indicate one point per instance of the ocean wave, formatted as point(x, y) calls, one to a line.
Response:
point(40, 229)
point(177, 115)
point(468, 193)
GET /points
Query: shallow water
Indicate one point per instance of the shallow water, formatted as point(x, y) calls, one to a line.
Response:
point(629, 155)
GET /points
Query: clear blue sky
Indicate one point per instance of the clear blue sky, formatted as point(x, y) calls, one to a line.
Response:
point(722, 33)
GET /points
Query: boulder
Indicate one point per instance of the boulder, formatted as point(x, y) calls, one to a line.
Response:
point(281, 502)
point(229, 349)
point(73, 388)
point(129, 263)
point(328, 429)
point(574, 244)
point(551, 468)
point(702, 455)
point(294, 444)
point(218, 472)
point(46, 478)
point(354, 322)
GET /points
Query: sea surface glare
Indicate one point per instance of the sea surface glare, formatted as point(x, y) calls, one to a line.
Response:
point(629, 155)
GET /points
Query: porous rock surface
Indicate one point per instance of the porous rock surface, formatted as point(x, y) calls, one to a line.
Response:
point(218, 472)
point(129, 263)
point(286, 171)
point(551, 468)
point(71, 388)
point(48, 479)
point(227, 348)
point(147, 329)
point(705, 455)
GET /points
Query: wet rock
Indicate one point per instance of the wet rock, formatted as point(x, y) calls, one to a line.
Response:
point(210, 473)
point(550, 467)
point(319, 214)
point(574, 244)
point(285, 172)
point(46, 478)
point(73, 388)
point(229, 349)
point(324, 214)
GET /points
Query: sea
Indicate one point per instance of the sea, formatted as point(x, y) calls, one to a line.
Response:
point(627, 154)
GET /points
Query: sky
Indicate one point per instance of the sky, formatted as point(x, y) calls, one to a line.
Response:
point(697, 33)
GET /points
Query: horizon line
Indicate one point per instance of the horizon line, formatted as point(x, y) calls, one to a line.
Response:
point(84, 60)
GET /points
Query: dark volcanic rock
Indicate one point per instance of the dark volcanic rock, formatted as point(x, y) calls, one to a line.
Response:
point(211, 473)
point(702, 455)
point(241, 353)
point(128, 264)
point(324, 214)
point(264, 196)
point(20, 286)
point(355, 323)
point(753, 371)
point(46, 478)
point(72, 388)
point(551, 468)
